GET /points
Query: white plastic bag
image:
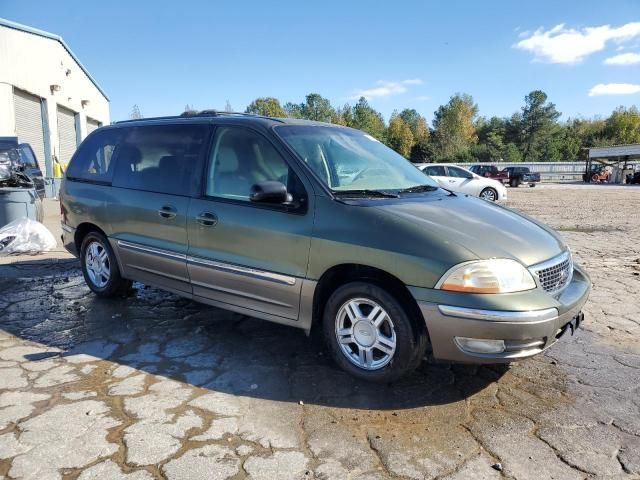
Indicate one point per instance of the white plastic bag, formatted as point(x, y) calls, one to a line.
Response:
point(25, 236)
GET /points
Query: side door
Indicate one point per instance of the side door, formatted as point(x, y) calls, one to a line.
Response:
point(31, 168)
point(438, 173)
point(459, 181)
point(247, 256)
point(157, 171)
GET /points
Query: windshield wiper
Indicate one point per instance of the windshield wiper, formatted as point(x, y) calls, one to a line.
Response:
point(365, 193)
point(418, 189)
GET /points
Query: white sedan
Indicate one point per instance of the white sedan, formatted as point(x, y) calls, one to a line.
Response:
point(458, 179)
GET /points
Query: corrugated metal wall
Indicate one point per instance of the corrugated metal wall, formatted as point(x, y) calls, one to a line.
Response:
point(92, 125)
point(66, 134)
point(29, 122)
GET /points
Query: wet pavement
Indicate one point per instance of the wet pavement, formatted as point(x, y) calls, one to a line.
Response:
point(154, 386)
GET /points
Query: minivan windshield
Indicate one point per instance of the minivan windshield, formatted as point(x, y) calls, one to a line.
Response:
point(350, 160)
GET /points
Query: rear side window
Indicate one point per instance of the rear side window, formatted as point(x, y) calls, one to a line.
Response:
point(92, 162)
point(27, 158)
point(435, 171)
point(162, 158)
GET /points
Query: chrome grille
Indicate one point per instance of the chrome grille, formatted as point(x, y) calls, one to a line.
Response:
point(555, 274)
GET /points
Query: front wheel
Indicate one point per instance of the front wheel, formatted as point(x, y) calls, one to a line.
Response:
point(489, 194)
point(100, 267)
point(370, 335)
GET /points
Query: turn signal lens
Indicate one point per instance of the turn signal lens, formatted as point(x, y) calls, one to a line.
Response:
point(498, 275)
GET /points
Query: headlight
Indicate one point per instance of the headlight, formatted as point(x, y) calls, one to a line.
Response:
point(498, 275)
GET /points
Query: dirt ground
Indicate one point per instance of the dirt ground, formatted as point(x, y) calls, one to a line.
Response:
point(154, 386)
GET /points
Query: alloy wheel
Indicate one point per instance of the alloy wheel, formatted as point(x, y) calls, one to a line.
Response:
point(488, 194)
point(97, 264)
point(365, 333)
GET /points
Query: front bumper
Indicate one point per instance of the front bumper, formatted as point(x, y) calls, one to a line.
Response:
point(525, 332)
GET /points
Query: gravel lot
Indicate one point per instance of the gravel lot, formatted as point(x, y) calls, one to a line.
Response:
point(153, 386)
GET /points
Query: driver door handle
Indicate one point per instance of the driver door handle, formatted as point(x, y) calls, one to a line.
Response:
point(168, 212)
point(207, 219)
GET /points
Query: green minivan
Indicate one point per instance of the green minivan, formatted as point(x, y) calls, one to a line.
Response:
point(303, 223)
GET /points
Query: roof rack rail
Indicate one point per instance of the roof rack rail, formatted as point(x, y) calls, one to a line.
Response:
point(201, 113)
point(220, 113)
point(166, 117)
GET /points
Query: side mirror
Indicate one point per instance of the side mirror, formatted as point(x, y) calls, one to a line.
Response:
point(270, 192)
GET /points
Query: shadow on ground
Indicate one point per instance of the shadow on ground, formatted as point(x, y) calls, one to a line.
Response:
point(162, 334)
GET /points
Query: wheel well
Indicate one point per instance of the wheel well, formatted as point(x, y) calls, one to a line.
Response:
point(81, 231)
point(340, 275)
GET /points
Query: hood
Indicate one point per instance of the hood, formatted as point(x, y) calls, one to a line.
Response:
point(485, 229)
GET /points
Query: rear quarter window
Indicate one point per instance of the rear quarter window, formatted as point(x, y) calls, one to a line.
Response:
point(162, 158)
point(93, 161)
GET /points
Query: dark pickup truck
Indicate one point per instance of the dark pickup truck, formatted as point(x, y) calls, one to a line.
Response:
point(490, 171)
point(520, 175)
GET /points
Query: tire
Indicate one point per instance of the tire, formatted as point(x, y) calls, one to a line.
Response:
point(102, 275)
point(513, 183)
point(404, 343)
point(531, 185)
point(489, 194)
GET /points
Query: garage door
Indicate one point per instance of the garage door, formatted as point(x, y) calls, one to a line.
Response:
point(66, 134)
point(29, 122)
point(92, 125)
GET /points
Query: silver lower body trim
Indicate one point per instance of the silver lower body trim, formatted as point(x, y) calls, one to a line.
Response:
point(251, 272)
point(497, 315)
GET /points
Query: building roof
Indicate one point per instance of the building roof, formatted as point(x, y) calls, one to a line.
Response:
point(632, 150)
point(41, 33)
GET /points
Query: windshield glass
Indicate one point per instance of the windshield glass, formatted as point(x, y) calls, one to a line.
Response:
point(347, 159)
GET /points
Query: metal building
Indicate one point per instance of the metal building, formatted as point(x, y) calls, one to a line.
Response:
point(47, 97)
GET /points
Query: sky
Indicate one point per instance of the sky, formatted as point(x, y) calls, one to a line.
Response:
point(163, 55)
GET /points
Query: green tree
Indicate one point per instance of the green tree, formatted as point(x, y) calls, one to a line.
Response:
point(491, 138)
point(399, 136)
point(539, 128)
point(135, 113)
point(623, 126)
point(454, 129)
point(416, 122)
point(317, 108)
point(422, 151)
point(266, 106)
point(343, 115)
point(367, 119)
point(293, 110)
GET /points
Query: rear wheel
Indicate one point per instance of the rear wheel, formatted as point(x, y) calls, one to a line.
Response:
point(369, 333)
point(489, 194)
point(100, 267)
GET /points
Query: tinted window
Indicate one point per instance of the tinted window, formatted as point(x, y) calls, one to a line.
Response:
point(457, 172)
point(435, 171)
point(240, 158)
point(163, 158)
point(27, 158)
point(92, 161)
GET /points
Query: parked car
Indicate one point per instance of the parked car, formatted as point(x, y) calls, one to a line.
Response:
point(633, 178)
point(520, 175)
point(490, 171)
point(248, 214)
point(460, 179)
point(25, 160)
